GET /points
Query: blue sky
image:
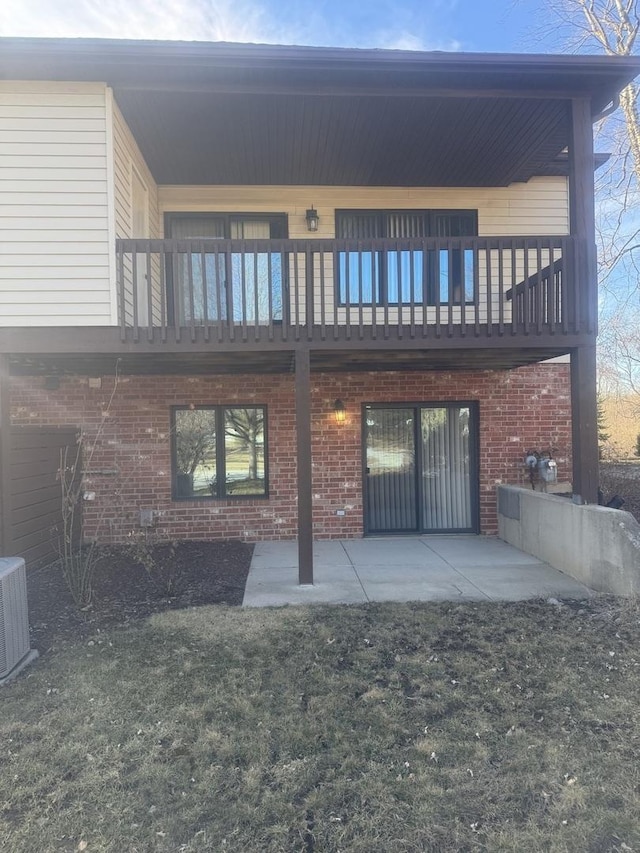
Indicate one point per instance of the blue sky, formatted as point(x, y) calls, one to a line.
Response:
point(470, 25)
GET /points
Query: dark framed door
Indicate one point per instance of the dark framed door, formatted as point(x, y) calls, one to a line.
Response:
point(420, 468)
point(247, 286)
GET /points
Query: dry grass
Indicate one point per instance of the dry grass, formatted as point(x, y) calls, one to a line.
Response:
point(623, 479)
point(622, 424)
point(493, 727)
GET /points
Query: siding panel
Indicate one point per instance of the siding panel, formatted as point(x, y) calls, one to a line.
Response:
point(54, 240)
point(539, 207)
point(35, 518)
point(127, 157)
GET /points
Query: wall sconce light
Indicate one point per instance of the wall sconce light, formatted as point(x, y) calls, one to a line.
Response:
point(339, 411)
point(313, 219)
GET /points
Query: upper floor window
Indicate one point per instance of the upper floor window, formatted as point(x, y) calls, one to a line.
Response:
point(402, 276)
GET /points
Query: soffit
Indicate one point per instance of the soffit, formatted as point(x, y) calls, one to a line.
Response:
point(259, 114)
point(200, 138)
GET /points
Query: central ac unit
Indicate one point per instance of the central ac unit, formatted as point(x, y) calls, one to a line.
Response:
point(15, 650)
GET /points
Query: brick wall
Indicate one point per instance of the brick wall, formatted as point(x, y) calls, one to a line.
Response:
point(128, 462)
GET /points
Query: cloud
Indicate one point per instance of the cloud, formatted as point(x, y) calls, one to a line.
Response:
point(404, 40)
point(319, 22)
point(222, 20)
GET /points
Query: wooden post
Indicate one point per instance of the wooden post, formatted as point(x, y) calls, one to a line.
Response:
point(582, 213)
point(584, 425)
point(584, 409)
point(5, 457)
point(303, 442)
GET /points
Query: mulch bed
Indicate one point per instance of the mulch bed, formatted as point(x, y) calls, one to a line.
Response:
point(204, 572)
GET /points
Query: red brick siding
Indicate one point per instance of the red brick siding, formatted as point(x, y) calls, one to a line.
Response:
point(130, 465)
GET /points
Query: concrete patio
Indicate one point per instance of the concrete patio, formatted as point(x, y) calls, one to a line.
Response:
point(416, 568)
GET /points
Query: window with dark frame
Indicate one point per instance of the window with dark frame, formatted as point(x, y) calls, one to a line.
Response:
point(219, 452)
point(215, 285)
point(403, 277)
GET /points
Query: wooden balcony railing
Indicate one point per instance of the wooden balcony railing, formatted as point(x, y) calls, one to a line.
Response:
point(324, 291)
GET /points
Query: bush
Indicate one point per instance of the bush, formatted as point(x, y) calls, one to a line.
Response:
point(157, 556)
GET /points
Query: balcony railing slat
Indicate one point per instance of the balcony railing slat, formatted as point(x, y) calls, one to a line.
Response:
point(538, 293)
point(500, 288)
point(241, 291)
point(476, 290)
point(489, 293)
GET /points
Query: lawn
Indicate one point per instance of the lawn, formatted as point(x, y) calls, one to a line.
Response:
point(431, 727)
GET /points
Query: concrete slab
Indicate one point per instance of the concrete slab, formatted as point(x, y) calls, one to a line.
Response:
point(400, 551)
point(478, 551)
point(438, 591)
point(516, 582)
point(275, 595)
point(327, 553)
point(451, 568)
point(397, 574)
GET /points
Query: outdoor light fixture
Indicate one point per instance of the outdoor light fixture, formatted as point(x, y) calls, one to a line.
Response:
point(339, 410)
point(312, 219)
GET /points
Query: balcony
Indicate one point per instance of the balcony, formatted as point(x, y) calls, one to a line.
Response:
point(342, 293)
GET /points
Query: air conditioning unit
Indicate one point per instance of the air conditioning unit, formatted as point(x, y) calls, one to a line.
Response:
point(15, 651)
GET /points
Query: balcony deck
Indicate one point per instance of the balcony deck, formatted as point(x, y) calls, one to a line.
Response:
point(232, 295)
point(202, 306)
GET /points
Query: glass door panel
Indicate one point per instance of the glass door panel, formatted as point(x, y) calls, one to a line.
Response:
point(391, 494)
point(200, 277)
point(446, 468)
point(256, 277)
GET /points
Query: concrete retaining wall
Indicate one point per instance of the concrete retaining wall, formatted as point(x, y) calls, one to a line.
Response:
point(595, 545)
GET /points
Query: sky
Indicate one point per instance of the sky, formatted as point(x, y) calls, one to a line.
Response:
point(452, 25)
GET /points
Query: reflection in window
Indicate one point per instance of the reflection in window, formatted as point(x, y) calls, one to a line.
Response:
point(215, 285)
point(401, 276)
point(219, 452)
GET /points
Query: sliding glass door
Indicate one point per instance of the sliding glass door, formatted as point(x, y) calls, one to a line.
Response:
point(446, 468)
point(210, 284)
point(391, 469)
point(421, 470)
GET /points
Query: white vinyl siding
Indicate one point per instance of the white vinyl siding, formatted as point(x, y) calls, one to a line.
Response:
point(54, 205)
point(130, 168)
point(537, 208)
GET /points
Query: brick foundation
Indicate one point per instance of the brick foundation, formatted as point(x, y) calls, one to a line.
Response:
point(130, 465)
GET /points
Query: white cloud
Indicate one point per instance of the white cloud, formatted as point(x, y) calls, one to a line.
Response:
point(222, 20)
point(304, 22)
point(405, 40)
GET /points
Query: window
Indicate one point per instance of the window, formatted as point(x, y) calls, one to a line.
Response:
point(219, 452)
point(403, 277)
point(214, 285)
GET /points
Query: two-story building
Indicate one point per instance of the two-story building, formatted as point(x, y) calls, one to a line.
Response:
point(294, 291)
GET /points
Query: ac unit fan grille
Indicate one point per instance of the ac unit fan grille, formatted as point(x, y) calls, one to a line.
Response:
point(14, 614)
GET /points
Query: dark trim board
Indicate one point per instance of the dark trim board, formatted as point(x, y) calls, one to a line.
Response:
point(35, 341)
point(322, 361)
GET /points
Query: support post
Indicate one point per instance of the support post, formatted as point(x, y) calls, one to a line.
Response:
point(5, 458)
point(584, 408)
point(303, 444)
point(582, 214)
point(584, 425)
